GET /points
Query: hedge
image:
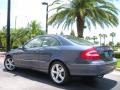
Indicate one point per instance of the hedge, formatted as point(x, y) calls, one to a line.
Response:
point(117, 54)
point(118, 63)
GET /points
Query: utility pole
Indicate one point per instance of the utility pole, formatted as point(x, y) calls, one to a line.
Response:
point(15, 22)
point(45, 3)
point(8, 27)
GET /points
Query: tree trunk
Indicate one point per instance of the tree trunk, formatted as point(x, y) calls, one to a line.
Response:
point(80, 26)
point(100, 40)
point(112, 41)
point(104, 41)
point(94, 40)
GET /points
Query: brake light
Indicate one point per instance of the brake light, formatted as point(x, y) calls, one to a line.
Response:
point(90, 54)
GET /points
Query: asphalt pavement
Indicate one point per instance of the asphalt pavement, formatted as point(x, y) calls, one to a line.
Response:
point(24, 79)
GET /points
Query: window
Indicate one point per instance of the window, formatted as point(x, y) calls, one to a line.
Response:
point(79, 41)
point(49, 41)
point(34, 43)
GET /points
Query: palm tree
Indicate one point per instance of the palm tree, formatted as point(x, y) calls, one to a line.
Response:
point(110, 43)
point(2, 39)
point(87, 38)
point(34, 28)
point(72, 33)
point(104, 37)
point(61, 33)
point(84, 11)
point(100, 35)
point(112, 35)
point(94, 38)
point(19, 36)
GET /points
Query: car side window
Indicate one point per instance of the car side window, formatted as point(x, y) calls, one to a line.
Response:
point(37, 42)
point(49, 41)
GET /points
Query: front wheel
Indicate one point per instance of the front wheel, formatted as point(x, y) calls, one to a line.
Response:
point(59, 73)
point(9, 64)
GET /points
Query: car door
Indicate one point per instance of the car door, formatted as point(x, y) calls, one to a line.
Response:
point(49, 45)
point(27, 55)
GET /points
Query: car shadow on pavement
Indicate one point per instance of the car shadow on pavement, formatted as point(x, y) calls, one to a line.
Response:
point(76, 83)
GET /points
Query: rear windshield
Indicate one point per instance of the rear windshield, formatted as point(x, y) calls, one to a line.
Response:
point(79, 41)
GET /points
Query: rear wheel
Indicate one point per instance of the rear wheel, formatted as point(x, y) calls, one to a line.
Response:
point(9, 64)
point(59, 73)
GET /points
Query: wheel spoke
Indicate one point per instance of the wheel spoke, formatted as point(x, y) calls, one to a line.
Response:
point(57, 67)
point(56, 77)
point(61, 77)
point(12, 65)
point(61, 70)
point(8, 61)
point(54, 72)
point(7, 64)
point(12, 62)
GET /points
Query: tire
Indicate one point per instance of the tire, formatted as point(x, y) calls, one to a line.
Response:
point(9, 64)
point(59, 73)
point(91, 77)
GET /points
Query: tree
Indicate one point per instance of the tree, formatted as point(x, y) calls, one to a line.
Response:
point(35, 29)
point(61, 33)
point(72, 33)
point(100, 35)
point(104, 37)
point(110, 43)
point(118, 44)
point(20, 35)
point(112, 35)
point(2, 38)
point(94, 38)
point(87, 38)
point(84, 13)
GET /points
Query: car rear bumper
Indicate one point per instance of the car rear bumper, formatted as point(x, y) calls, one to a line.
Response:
point(96, 68)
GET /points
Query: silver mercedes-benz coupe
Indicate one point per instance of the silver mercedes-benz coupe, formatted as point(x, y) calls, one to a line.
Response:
point(62, 57)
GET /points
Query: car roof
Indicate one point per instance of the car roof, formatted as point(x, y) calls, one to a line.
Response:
point(51, 35)
point(60, 38)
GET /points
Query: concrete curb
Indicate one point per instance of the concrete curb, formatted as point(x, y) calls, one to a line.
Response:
point(2, 54)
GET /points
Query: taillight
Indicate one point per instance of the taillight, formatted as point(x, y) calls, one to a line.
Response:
point(90, 54)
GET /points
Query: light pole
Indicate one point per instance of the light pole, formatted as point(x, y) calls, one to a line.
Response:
point(8, 27)
point(45, 3)
point(28, 24)
point(15, 22)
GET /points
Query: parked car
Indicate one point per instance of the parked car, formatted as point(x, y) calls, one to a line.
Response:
point(62, 57)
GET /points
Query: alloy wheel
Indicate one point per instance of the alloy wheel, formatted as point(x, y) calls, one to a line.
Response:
point(9, 64)
point(58, 73)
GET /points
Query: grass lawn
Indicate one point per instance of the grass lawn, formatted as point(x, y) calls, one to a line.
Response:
point(118, 63)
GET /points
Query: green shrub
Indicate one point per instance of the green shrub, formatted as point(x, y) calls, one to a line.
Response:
point(117, 54)
point(118, 63)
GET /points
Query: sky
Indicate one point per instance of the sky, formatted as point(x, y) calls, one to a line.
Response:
point(27, 10)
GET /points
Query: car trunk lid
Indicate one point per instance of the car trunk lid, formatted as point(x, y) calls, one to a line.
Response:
point(105, 52)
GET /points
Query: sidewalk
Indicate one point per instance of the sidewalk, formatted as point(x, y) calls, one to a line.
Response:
point(2, 56)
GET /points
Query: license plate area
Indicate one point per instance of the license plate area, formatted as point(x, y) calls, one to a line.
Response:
point(107, 55)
